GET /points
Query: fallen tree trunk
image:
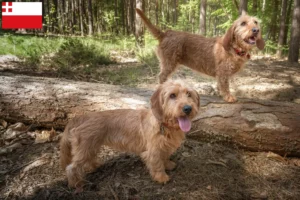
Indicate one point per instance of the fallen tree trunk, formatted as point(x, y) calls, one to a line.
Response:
point(51, 102)
point(251, 124)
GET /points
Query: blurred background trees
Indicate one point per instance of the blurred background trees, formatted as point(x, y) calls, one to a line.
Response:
point(280, 19)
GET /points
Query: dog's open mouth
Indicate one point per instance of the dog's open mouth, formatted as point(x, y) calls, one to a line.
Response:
point(185, 124)
point(251, 40)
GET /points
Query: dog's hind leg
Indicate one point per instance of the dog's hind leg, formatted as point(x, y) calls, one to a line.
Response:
point(83, 161)
point(166, 69)
point(167, 65)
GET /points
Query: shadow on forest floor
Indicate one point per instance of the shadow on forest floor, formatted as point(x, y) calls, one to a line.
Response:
point(204, 171)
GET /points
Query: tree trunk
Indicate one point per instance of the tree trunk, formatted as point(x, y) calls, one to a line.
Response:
point(168, 12)
point(193, 19)
point(255, 7)
point(156, 12)
point(80, 17)
point(139, 29)
point(73, 17)
point(250, 124)
point(132, 16)
point(62, 15)
point(59, 17)
point(162, 9)
point(287, 21)
point(90, 17)
point(202, 28)
point(116, 23)
point(123, 17)
point(129, 29)
point(85, 16)
point(273, 26)
point(282, 28)
point(243, 6)
point(55, 17)
point(295, 34)
point(174, 12)
point(70, 16)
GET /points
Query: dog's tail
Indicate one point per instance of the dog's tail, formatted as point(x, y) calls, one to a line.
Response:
point(152, 28)
point(65, 150)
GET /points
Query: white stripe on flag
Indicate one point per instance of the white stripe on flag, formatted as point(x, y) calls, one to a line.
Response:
point(24, 8)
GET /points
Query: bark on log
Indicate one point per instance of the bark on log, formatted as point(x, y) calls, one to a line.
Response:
point(251, 124)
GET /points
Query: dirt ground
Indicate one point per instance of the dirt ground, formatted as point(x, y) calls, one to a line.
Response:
point(204, 170)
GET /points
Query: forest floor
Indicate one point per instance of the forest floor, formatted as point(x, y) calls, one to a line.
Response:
point(204, 170)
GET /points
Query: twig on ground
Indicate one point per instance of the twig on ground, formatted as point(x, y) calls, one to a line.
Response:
point(216, 163)
point(113, 193)
point(26, 164)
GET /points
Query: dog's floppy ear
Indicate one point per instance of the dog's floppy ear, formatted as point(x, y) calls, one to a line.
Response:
point(260, 43)
point(197, 97)
point(156, 104)
point(228, 38)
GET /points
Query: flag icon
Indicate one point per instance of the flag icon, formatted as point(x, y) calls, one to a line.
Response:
point(27, 15)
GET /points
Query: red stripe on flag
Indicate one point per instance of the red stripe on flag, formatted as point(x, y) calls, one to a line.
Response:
point(12, 22)
point(3, 3)
point(9, 3)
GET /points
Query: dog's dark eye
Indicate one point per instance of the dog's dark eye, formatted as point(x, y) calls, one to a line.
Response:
point(255, 22)
point(188, 94)
point(243, 23)
point(172, 96)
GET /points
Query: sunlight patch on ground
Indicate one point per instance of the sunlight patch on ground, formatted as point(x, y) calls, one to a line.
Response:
point(265, 87)
point(134, 103)
point(68, 87)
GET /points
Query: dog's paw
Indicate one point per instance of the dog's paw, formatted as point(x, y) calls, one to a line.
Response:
point(230, 98)
point(161, 177)
point(170, 165)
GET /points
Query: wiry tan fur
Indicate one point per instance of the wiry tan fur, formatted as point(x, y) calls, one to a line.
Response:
point(212, 56)
point(135, 131)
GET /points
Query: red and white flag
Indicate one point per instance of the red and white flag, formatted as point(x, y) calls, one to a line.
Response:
point(27, 15)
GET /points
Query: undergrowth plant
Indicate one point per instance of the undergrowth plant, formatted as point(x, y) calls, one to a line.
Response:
point(74, 53)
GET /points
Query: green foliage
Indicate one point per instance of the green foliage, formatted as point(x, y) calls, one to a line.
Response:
point(187, 11)
point(109, 19)
point(29, 48)
point(271, 47)
point(79, 53)
point(148, 57)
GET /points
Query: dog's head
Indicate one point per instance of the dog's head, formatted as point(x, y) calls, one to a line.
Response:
point(245, 32)
point(175, 104)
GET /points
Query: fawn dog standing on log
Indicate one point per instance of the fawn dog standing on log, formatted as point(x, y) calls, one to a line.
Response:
point(219, 57)
point(154, 133)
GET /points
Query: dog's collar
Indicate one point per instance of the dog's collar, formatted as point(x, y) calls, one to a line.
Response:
point(164, 125)
point(242, 53)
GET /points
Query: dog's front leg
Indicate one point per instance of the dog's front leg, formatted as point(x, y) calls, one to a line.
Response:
point(169, 165)
point(223, 87)
point(156, 165)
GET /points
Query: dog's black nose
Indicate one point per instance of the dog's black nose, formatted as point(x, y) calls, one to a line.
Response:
point(187, 109)
point(255, 30)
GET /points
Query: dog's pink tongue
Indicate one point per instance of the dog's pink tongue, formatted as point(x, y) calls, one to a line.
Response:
point(184, 124)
